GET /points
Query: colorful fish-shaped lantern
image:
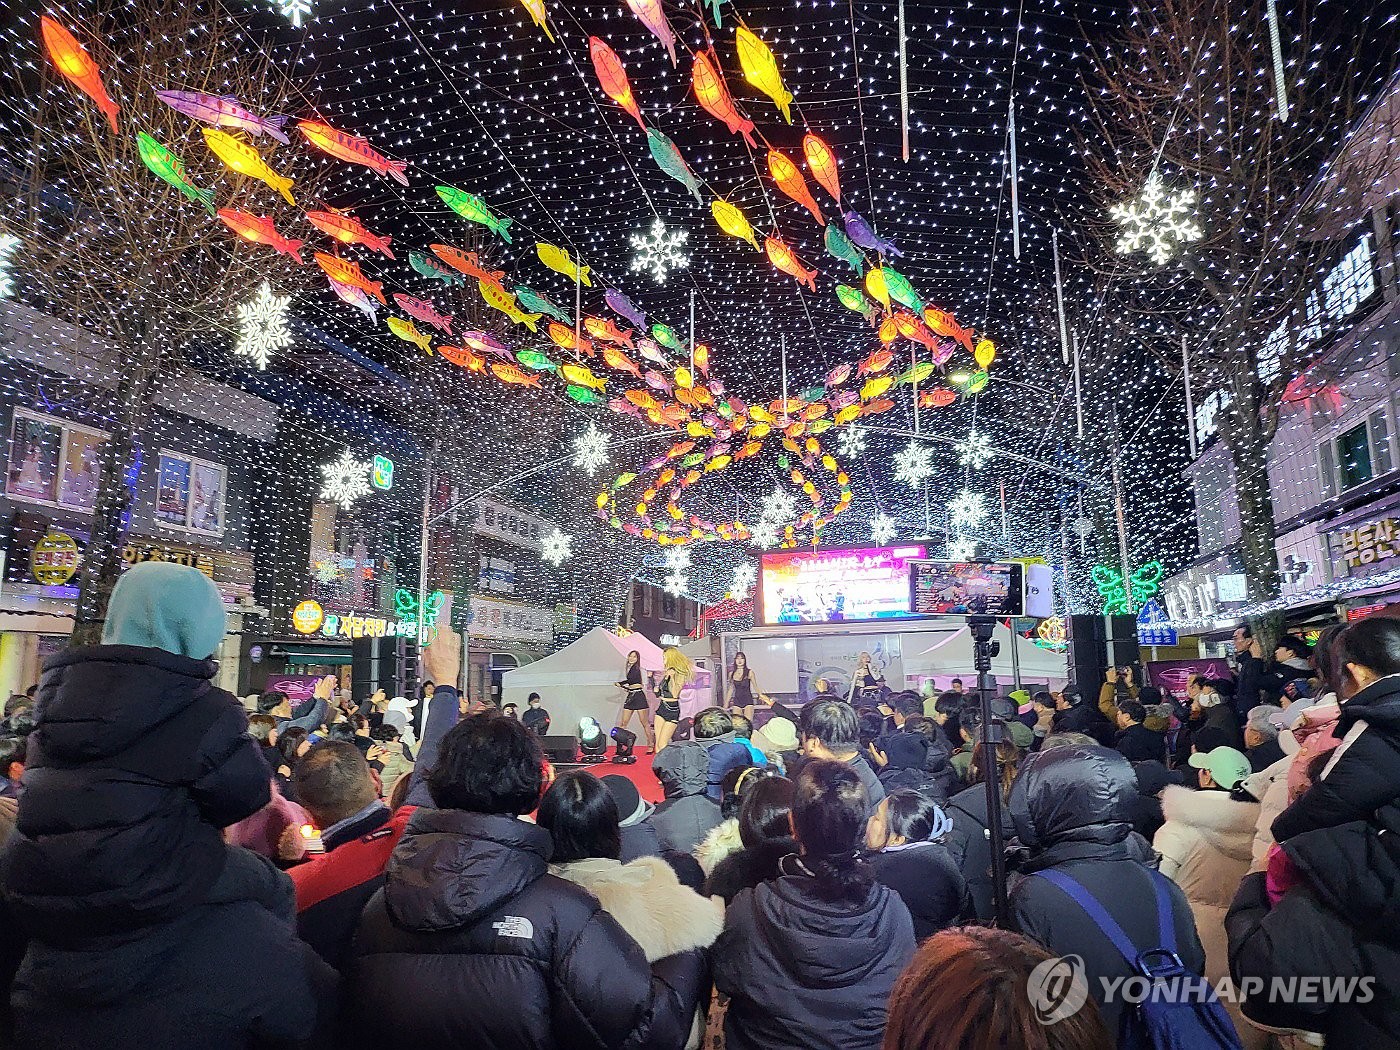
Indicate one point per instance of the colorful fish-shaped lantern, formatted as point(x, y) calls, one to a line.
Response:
point(167, 167)
point(463, 358)
point(651, 14)
point(581, 376)
point(876, 363)
point(348, 230)
point(615, 358)
point(702, 358)
point(859, 231)
point(612, 76)
point(535, 360)
point(917, 374)
point(352, 150)
point(789, 178)
point(260, 230)
point(713, 95)
point(467, 263)
point(984, 353)
point(977, 383)
point(77, 67)
point(408, 332)
point(838, 246)
point(496, 297)
point(733, 222)
point(607, 331)
point(347, 272)
point(223, 111)
point(533, 300)
point(852, 299)
point(535, 8)
point(625, 308)
point(876, 287)
point(901, 291)
point(821, 161)
point(761, 70)
point(664, 335)
point(483, 343)
point(565, 338)
point(512, 374)
point(423, 310)
point(431, 268)
point(783, 258)
point(584, 396)
point(649, 350)
point(356, 297)
point(938, 397)
point(559, 260)
point(245, 160)
point(472, 208)
point(944, 324)
point(668, 158)
point(657, 381)
point(838, 375)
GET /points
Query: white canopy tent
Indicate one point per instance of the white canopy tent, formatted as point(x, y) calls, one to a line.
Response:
point(948, 652)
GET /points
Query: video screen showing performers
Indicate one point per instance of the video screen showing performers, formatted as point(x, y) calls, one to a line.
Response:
point(942, 588)
point(851, 585)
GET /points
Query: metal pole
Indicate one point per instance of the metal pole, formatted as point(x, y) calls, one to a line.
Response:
point(782, 343)
point(1190, 406)
point(692, 332)
point(1064, 561)
point(1015, 198)
point(904, 84)
point(1078, 391)
point(1015, 653)
point(1122, 532)
point(982, 628)
point(1060, 297)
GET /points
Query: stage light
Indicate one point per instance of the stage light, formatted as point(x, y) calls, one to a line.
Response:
point(591, 741)
point(625, 739)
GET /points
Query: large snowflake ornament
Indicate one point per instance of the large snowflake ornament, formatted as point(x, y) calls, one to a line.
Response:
point(345, 480)
point(676, 583)
point(262, 326)
point(962, 548)
point(764, 535)
point(974, 450)
point(913, 464)
point(294, 11)
point(678, 559)
point(1157, 221)
point(881, 529)
point(967, 509)
point(745, 576)
point(851, 441)
point(591, 449)
point(779, 507)
point(556, 547)
point(660, 251)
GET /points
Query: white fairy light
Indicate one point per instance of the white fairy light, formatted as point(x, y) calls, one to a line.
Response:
point(967, 509)
point(974, 450)
point(660, 251)
point(851, 441)
point(345, 480)
point(1157, 221)
point(556, 547)
point(9, 245)
point(262, 326)
point(913, 464)
point(881, 529)
point(745, 576)
point(591, 449)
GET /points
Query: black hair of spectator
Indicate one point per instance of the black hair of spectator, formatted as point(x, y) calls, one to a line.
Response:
point(270, 699)
point(488, 764)
point(832, 723)
point(1133, 709)
point(828, 821)
point(907, 703)
point(580, 814)
point(712, 722)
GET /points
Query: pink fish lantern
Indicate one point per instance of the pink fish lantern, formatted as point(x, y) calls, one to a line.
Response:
point(631, 529)
point(716, 388)
point(941, 351)
point(841, 399)
point(657, 463)
point(657, 381)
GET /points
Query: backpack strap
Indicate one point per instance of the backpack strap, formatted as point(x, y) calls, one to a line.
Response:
point(1097, 912)
point(1166, 922)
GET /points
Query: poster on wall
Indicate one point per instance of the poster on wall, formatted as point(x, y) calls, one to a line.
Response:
point(172, 490)
point(840, 585)
point(1171, 676)
point(82, 470)
point(35, 448)
point(206, 497)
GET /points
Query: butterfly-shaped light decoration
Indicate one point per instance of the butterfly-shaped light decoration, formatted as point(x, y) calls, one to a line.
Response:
point(1144, 582)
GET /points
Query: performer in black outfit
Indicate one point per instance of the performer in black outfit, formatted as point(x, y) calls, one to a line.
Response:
point(743, 689)
point(865, 683)
point(636, 699)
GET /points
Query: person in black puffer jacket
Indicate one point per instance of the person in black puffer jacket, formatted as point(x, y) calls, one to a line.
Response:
point(765, 829)
point(810, 959)
point(688, 814)
point(1072, 807)
point(969, 843)
point(899, 760)
point(1364, 772)
point(472, 943)
point(906, 836)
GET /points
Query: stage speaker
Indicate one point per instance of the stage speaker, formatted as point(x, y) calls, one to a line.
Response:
point(560, 749)
point(390, 664)
point(1087, 653)
point(1040, 591)
point(1122, 641)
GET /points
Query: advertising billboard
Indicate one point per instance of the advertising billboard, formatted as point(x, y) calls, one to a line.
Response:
point(840, 585)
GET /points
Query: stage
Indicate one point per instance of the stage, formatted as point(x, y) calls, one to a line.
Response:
point(638, 772)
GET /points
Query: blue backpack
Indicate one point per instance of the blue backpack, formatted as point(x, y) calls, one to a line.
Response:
point(1180, 1011)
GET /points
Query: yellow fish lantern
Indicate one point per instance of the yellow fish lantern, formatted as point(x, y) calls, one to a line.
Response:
point(641, 510)
point(559, 260)
point(875, 285)
point(984, 353)
point(684, 379)
point(761, 414)
point(602, 499)
point(697, 430)
point(761, 70)
point(245, 160)
point(733, 222)
point(760, 430)
point(829, 463)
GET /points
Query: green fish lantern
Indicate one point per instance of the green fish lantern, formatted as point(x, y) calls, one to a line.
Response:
point(473, 209)
point(428, 266)
point(669, 160)
point(666, 337)
point(540, 304)
point(901, 291)
point(584, 396)
point(170, 169)
point(976, 383)
point(839, 246)
point(917, 374)
point(623, 480)
point(853, 299)
point(539, 362)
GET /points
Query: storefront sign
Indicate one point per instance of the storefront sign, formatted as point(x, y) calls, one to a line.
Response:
point(1373, 542)
point(509, 621)
point(1152, 629)
point(55, 559)
point(135, 552)
point(308, 616)
point(1197, 593)
point(1360, 612)
point(1171, 676)
point(496, 575)
point(509, 525)
point(381, 475)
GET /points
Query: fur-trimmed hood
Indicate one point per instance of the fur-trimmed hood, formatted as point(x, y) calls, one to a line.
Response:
point(1226, 823)
point(649, 903)
point(722, 840)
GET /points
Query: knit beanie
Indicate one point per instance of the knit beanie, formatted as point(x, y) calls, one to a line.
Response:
point(160, 605)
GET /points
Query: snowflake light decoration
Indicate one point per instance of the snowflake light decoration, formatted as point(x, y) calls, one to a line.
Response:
point(974, 450)
point(778, 507)
point(962, 548)
point(881, 529)
point(1157, 221)
point(745, 576)
point(764, 534)
point(851, 442)
point(263, 329)
point(1082, 527)
point(591, 449)
point(678, 559)
point(9, 249)
point(913, 464)
point(294, 11)
point(556, 547)
point(676, 583)
point(967, 509)
point(345, 480)
point(660, 251)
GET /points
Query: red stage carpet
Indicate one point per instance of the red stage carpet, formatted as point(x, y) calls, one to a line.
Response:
point(638, 772)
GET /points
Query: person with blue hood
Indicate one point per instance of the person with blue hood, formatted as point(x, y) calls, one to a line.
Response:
point(145, 929)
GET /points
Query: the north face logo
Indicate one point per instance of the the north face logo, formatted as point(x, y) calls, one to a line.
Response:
point(514, 926)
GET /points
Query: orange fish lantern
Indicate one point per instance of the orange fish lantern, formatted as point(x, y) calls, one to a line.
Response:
point(938, 397)
point(889, 330)
point(607, 330)
point(511, 374)
point(821, 161)
point(789, 179)
point(945, 325)
point(347, 272)
point(466, 262)
point(713, 95)
point(643, 400)
point(615, 358)
point(703, 397)
point(876, 363)
point(613, 78)
point(874, 408)
point(260, 230)
point(751, 448)
point(783, 258)
point(463, 358)
point(77, 67)
point(796, 430)
point(686, 398)
point(564, 337)
point(814, 411)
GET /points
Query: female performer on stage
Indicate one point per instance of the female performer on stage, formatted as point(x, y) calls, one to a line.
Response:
point(743, 689)
point(866, 682)
point(636, 700)
point(678, 672)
